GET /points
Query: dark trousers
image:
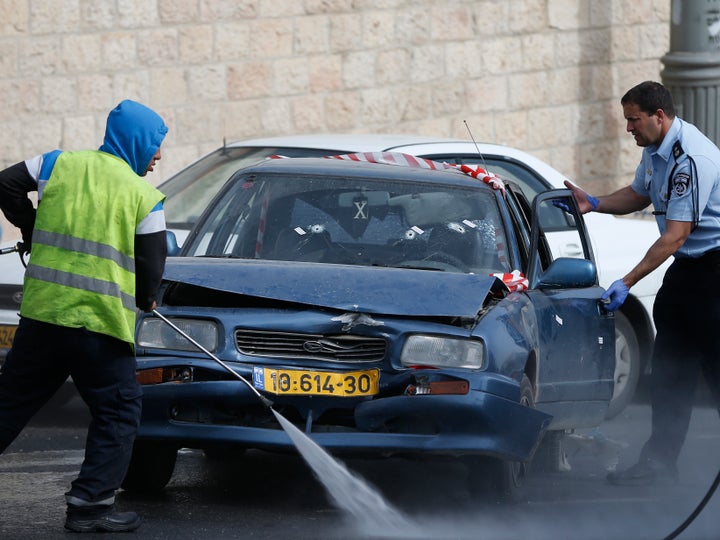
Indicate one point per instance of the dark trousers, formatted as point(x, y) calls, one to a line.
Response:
point(103, 369)
point(687, 319)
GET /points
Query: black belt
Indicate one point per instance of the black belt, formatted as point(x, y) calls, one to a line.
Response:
point(707, 258)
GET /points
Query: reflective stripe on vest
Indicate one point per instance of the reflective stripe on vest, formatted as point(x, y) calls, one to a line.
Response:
point(81, 272)
point(80, 282)
point(88, 247)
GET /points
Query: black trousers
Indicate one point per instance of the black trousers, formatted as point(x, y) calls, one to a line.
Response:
point(103, 369)
point(687, 319)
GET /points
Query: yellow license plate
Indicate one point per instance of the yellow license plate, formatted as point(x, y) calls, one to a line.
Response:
point(316, 383)
point(7, 333)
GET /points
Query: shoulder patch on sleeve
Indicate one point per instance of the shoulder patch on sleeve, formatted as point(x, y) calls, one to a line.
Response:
point(681, 184)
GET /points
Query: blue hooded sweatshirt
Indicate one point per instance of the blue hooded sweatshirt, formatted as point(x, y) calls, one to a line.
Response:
point(134, 133)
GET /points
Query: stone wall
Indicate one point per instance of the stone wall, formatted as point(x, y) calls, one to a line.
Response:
point(542, 75)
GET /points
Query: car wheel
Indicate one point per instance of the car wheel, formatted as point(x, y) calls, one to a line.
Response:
point(501, 479)
point(550, 455)
point(151, 467)
point(627, 365)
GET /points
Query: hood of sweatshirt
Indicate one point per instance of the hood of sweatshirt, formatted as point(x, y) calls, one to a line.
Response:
point(134, 133)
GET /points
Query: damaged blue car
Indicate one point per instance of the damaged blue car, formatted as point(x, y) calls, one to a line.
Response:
point(386, 305)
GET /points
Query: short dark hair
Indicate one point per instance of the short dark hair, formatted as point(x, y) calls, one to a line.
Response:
point(650, 96)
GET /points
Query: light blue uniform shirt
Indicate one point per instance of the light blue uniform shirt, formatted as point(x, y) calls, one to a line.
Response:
point(694, 191)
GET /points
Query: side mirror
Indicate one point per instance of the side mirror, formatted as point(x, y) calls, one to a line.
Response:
point(172, 246)
point(568, 273)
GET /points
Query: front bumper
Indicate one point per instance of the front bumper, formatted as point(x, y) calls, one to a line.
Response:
point(218, 412)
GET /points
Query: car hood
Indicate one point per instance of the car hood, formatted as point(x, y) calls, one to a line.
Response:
point(361, 289)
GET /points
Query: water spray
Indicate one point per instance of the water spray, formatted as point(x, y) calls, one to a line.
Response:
point(347, 490)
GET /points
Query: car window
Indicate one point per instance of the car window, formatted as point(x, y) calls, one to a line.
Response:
point(190, 191)
point(365, 221)
point(529, 181)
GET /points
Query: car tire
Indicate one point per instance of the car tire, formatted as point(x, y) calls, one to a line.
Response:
point(500, 479)
point(550, 455)
point(151, 467)
point(627, 366)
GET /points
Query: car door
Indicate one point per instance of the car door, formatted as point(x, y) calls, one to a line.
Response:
point(575, 334)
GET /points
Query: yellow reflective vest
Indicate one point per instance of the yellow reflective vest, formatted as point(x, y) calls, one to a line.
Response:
point(81, 271)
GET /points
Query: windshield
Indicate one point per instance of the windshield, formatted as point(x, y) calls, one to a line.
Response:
point(369, 222)
point(189, 192)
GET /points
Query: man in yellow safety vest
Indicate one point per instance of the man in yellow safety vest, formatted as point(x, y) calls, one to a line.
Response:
point(97, 252)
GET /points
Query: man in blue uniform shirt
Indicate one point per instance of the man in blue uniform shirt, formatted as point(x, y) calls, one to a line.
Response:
point(680, 174)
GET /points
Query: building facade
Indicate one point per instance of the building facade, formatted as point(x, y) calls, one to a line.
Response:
point(541, 75)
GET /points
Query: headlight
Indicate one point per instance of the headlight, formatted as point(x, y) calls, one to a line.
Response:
point(443, 352)
point(156, 334)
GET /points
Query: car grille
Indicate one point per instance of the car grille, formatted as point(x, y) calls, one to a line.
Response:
point(341, 348)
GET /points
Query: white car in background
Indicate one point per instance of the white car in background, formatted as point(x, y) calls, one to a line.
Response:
point(618, 243)
point(11, 272)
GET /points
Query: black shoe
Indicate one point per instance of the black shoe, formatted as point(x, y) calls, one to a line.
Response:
point(113, 522)
point(645, 472)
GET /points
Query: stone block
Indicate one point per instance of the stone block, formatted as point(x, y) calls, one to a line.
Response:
point(345, 32)
point(311, 35)
point(14, 17)
point(242, 119)
point(169, 86)
point(79, 132)
point(341, 111)
point(157, 46)
point(119, 50)
point(271, 38)
point(82, 53)
point(195, 44)
point(307, 113)
point(232, 41)
point(325, 73)
point(94, 93)
point(290, 77)
point(249, 80)
point(207, 82)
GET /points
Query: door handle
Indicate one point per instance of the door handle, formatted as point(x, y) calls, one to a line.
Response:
point(573, 250)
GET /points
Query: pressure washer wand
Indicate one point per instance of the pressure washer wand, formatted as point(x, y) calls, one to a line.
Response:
point(18, 248)
point(265, 401)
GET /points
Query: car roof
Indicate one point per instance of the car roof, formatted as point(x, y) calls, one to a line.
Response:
point(360, 169)
point(345, 141)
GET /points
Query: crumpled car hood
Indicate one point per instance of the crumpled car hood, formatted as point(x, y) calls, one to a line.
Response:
point(362, 289)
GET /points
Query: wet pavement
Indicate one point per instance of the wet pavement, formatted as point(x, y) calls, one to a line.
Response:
point(270, 496)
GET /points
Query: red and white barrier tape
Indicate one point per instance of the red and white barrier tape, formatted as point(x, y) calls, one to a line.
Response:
point(406, 160)
point(515, 281)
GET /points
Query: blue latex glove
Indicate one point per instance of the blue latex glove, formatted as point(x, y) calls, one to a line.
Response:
point(594, 203)
point(616, 294)
point(562, 205)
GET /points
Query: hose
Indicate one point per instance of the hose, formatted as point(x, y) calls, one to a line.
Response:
point(699, 508)
point(265, 401)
